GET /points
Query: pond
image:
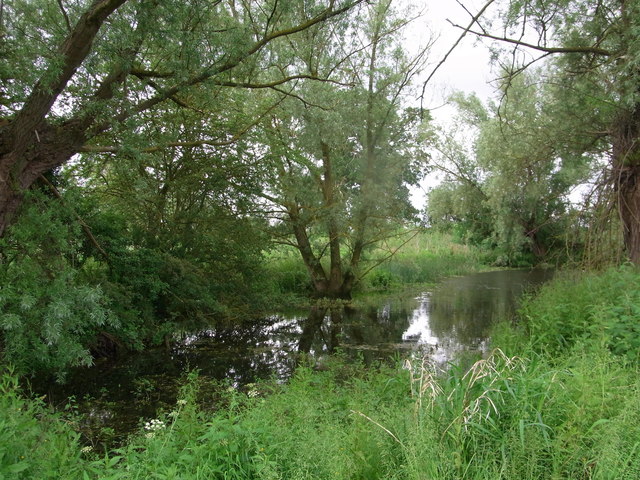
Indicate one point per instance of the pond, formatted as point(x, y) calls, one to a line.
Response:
point(454, 317)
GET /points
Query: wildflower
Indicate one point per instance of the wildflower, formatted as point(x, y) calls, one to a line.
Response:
point(154, 425)
point(182, 402)
point(252, 393)
point(86, 449)
point(150, 435)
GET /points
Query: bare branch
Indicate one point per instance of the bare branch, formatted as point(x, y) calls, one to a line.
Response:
point(540, 48)
point(64, 14)
point(453, 47)
point(279, 82)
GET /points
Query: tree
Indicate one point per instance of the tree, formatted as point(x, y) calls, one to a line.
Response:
point(521, 170)
point(595, 50)
point(75, 77)
point(343, 157)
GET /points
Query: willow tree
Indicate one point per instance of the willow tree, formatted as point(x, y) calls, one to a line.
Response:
point(508, 183)
point(344, 153)
point(82, 76)
point(593, 53)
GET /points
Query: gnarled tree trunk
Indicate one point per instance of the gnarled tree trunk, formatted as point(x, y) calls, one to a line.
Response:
point(626, 168)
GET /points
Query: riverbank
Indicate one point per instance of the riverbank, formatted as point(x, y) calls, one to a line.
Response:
point(423, 260)
point(563, 406)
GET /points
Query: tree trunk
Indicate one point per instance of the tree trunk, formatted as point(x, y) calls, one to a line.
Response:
point(10, 201)
point(29, 146)
point(629, 208)
point(626, 167)
point(53, 147)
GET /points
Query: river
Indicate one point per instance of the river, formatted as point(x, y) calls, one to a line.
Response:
point(444, 322)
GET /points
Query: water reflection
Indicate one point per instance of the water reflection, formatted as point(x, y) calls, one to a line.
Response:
point(453, 318)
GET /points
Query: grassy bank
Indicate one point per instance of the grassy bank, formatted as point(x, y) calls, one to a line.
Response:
point(426, 258)
point(559, 398)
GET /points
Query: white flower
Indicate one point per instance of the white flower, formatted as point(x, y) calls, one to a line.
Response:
point(86, 449)
point(181, 402)
point(154, 425)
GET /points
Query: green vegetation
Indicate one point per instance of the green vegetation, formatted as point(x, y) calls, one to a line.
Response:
point(425, 258)
point(572, 411)
point(510, 198)
point(161, 162)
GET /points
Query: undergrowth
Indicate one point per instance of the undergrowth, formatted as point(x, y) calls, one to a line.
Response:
point(569, 411)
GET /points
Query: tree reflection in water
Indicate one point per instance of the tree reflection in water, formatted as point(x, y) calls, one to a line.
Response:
point(453, 318)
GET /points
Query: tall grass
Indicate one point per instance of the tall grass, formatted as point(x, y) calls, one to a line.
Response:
point(427, 258)
point(601, 308)
point(570, 411)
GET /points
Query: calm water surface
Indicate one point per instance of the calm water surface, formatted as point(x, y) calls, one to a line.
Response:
point(454, 317)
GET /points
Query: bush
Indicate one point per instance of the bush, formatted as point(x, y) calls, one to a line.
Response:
point(597, 308)
point(34, 443)
point(50, 314)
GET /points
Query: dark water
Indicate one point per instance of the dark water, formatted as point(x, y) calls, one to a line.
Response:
point(452, 318)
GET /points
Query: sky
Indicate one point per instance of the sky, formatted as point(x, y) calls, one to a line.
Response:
point(468, 67)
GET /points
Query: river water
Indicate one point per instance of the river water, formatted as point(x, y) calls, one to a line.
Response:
point(443, 322)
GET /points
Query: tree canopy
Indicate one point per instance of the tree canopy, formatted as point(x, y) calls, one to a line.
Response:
point(87, 76)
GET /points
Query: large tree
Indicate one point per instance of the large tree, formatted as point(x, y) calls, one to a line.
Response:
point(86, 76)
point(512, 185)
point(593, 48)
point(344, 157)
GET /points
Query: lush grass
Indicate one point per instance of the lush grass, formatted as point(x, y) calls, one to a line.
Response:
point(596, 308)
point(426, 258)
point(570, 410)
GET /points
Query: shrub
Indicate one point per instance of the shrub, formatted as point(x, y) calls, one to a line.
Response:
point(50, 314)
point(598, 308)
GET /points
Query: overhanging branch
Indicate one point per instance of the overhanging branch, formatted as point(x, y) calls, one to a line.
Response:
point(587, 49)
point(453, 47)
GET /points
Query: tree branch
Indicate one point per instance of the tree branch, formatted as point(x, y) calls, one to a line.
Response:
point(82, 223)
point(540, 48)
point(73, 51)
point(190, 144)
point(232, 62)
point(64, 14)
point(453, 47)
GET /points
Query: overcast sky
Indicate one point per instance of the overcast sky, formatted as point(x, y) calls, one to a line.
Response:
point(467, 68)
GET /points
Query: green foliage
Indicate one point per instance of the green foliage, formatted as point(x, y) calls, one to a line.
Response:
point(287, 273)
point(427, 258)
point(564, 413)
point(342, 161)
point(64, 294)
point(50, 313)
point(509, 170)
point(34, 443)
point(600, 308)
point(504, 417)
